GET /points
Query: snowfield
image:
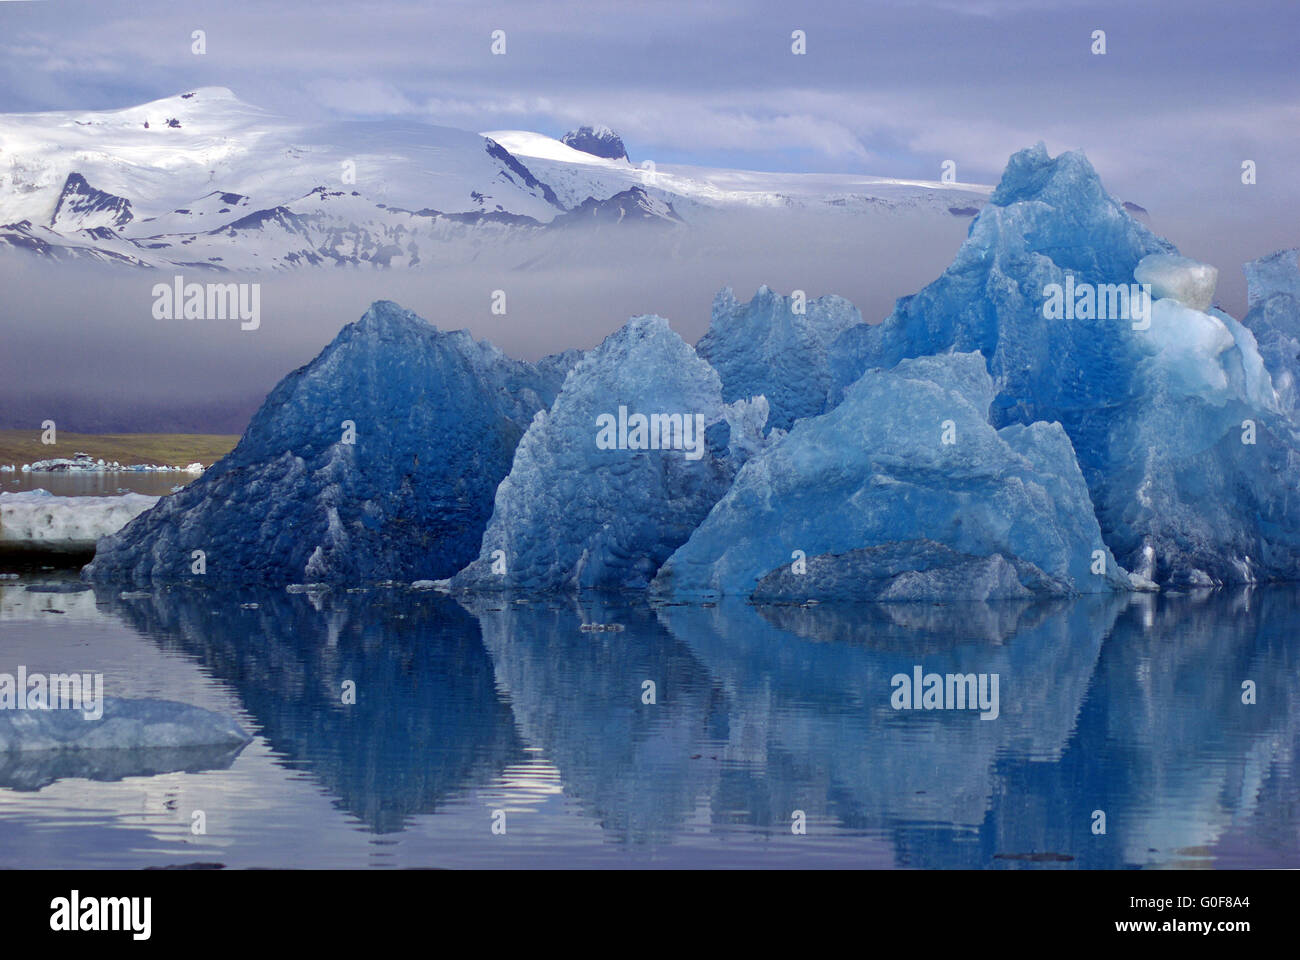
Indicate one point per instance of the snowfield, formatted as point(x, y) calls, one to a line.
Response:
point(576, 175)
point(205, 180)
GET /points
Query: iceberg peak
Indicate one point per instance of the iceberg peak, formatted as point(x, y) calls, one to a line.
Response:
point(1276, 273)
point(1274, 318)
point(616, 475)
point(378, 460)
point(1031, 174)
point(776, 346)
point(1172, 415)
point(386, 320)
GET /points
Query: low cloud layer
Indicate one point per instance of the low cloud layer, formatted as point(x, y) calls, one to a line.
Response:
point(82, 343)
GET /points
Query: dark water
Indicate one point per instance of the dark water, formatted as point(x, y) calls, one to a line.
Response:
point(1129, 706)
point(106, 483)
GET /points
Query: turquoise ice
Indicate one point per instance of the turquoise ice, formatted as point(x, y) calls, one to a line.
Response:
point(904, 492)
point(1171, 411)
point(597, 498)
point(776, 347)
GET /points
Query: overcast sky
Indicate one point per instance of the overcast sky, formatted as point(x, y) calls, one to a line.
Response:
point(1186, 89)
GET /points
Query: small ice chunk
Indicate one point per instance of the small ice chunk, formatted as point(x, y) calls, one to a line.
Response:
point(1178, 278)
point(123, 725)
point(38, 520)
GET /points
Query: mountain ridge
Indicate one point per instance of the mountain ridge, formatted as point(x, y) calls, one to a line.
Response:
point(205, 180)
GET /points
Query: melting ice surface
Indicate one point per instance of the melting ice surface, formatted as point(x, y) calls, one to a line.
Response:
point(1130, 703)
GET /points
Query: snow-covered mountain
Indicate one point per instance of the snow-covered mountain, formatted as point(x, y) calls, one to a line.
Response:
point(203, 179)
point(575, 174)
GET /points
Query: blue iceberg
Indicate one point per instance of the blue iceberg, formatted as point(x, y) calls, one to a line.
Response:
point(1063, 411)
point(904, 492)
point(1168, 404)
point(376, 461)
point(776, 347)
point(635, 451)
point(1273, 296)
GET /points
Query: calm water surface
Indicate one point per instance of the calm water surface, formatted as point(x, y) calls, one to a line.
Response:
point(1131, 706)
point(107, 483)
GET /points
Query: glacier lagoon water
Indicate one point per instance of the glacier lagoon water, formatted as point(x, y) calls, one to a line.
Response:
point(109, 483)
point(1128, 704)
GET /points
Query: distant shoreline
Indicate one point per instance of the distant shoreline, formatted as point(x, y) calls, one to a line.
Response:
point(163, 449)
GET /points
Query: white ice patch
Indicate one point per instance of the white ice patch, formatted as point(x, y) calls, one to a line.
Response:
point(1179, 278)
point(38, 520)
point(1188, 344)
point(1191, 352)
